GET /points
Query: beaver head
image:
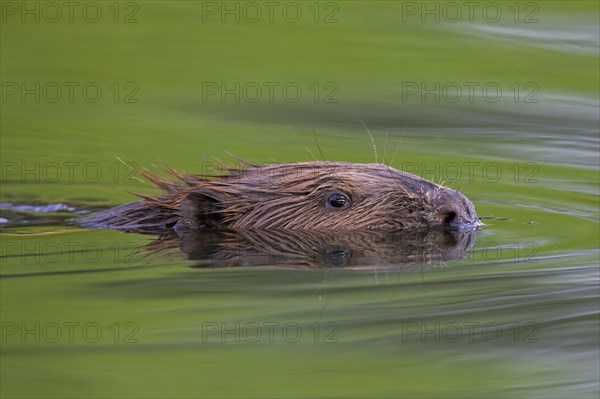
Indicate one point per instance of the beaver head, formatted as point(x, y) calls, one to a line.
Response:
point(320, 196)
point(298, 196)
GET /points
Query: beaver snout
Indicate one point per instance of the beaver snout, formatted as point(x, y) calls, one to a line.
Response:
point(452, 221)
point(453, 210)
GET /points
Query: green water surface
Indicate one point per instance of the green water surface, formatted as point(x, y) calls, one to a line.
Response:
point(87, 313)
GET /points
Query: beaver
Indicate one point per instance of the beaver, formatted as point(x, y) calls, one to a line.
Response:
point(298, 196)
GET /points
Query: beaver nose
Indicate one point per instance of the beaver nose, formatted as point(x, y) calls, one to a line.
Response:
point(460, 220)
point(451, 220)
point(453, 210)
point(450, 217)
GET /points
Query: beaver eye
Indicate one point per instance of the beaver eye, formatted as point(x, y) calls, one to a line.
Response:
point(338, 201)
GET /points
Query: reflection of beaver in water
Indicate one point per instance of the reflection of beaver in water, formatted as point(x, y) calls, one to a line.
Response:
point(299, 196)
point(361, 249)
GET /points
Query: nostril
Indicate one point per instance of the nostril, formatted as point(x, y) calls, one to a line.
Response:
point(450, 216)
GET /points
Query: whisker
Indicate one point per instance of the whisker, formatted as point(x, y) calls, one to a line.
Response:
point(399, 142)
point(384, 148)
point(311, 153)
point(318, 146)
point(370, 136)
point(332, 171)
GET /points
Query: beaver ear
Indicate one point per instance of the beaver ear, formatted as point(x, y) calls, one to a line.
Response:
point(199, 209)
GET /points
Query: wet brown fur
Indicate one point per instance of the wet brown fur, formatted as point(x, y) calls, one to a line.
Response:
point(290, 196)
